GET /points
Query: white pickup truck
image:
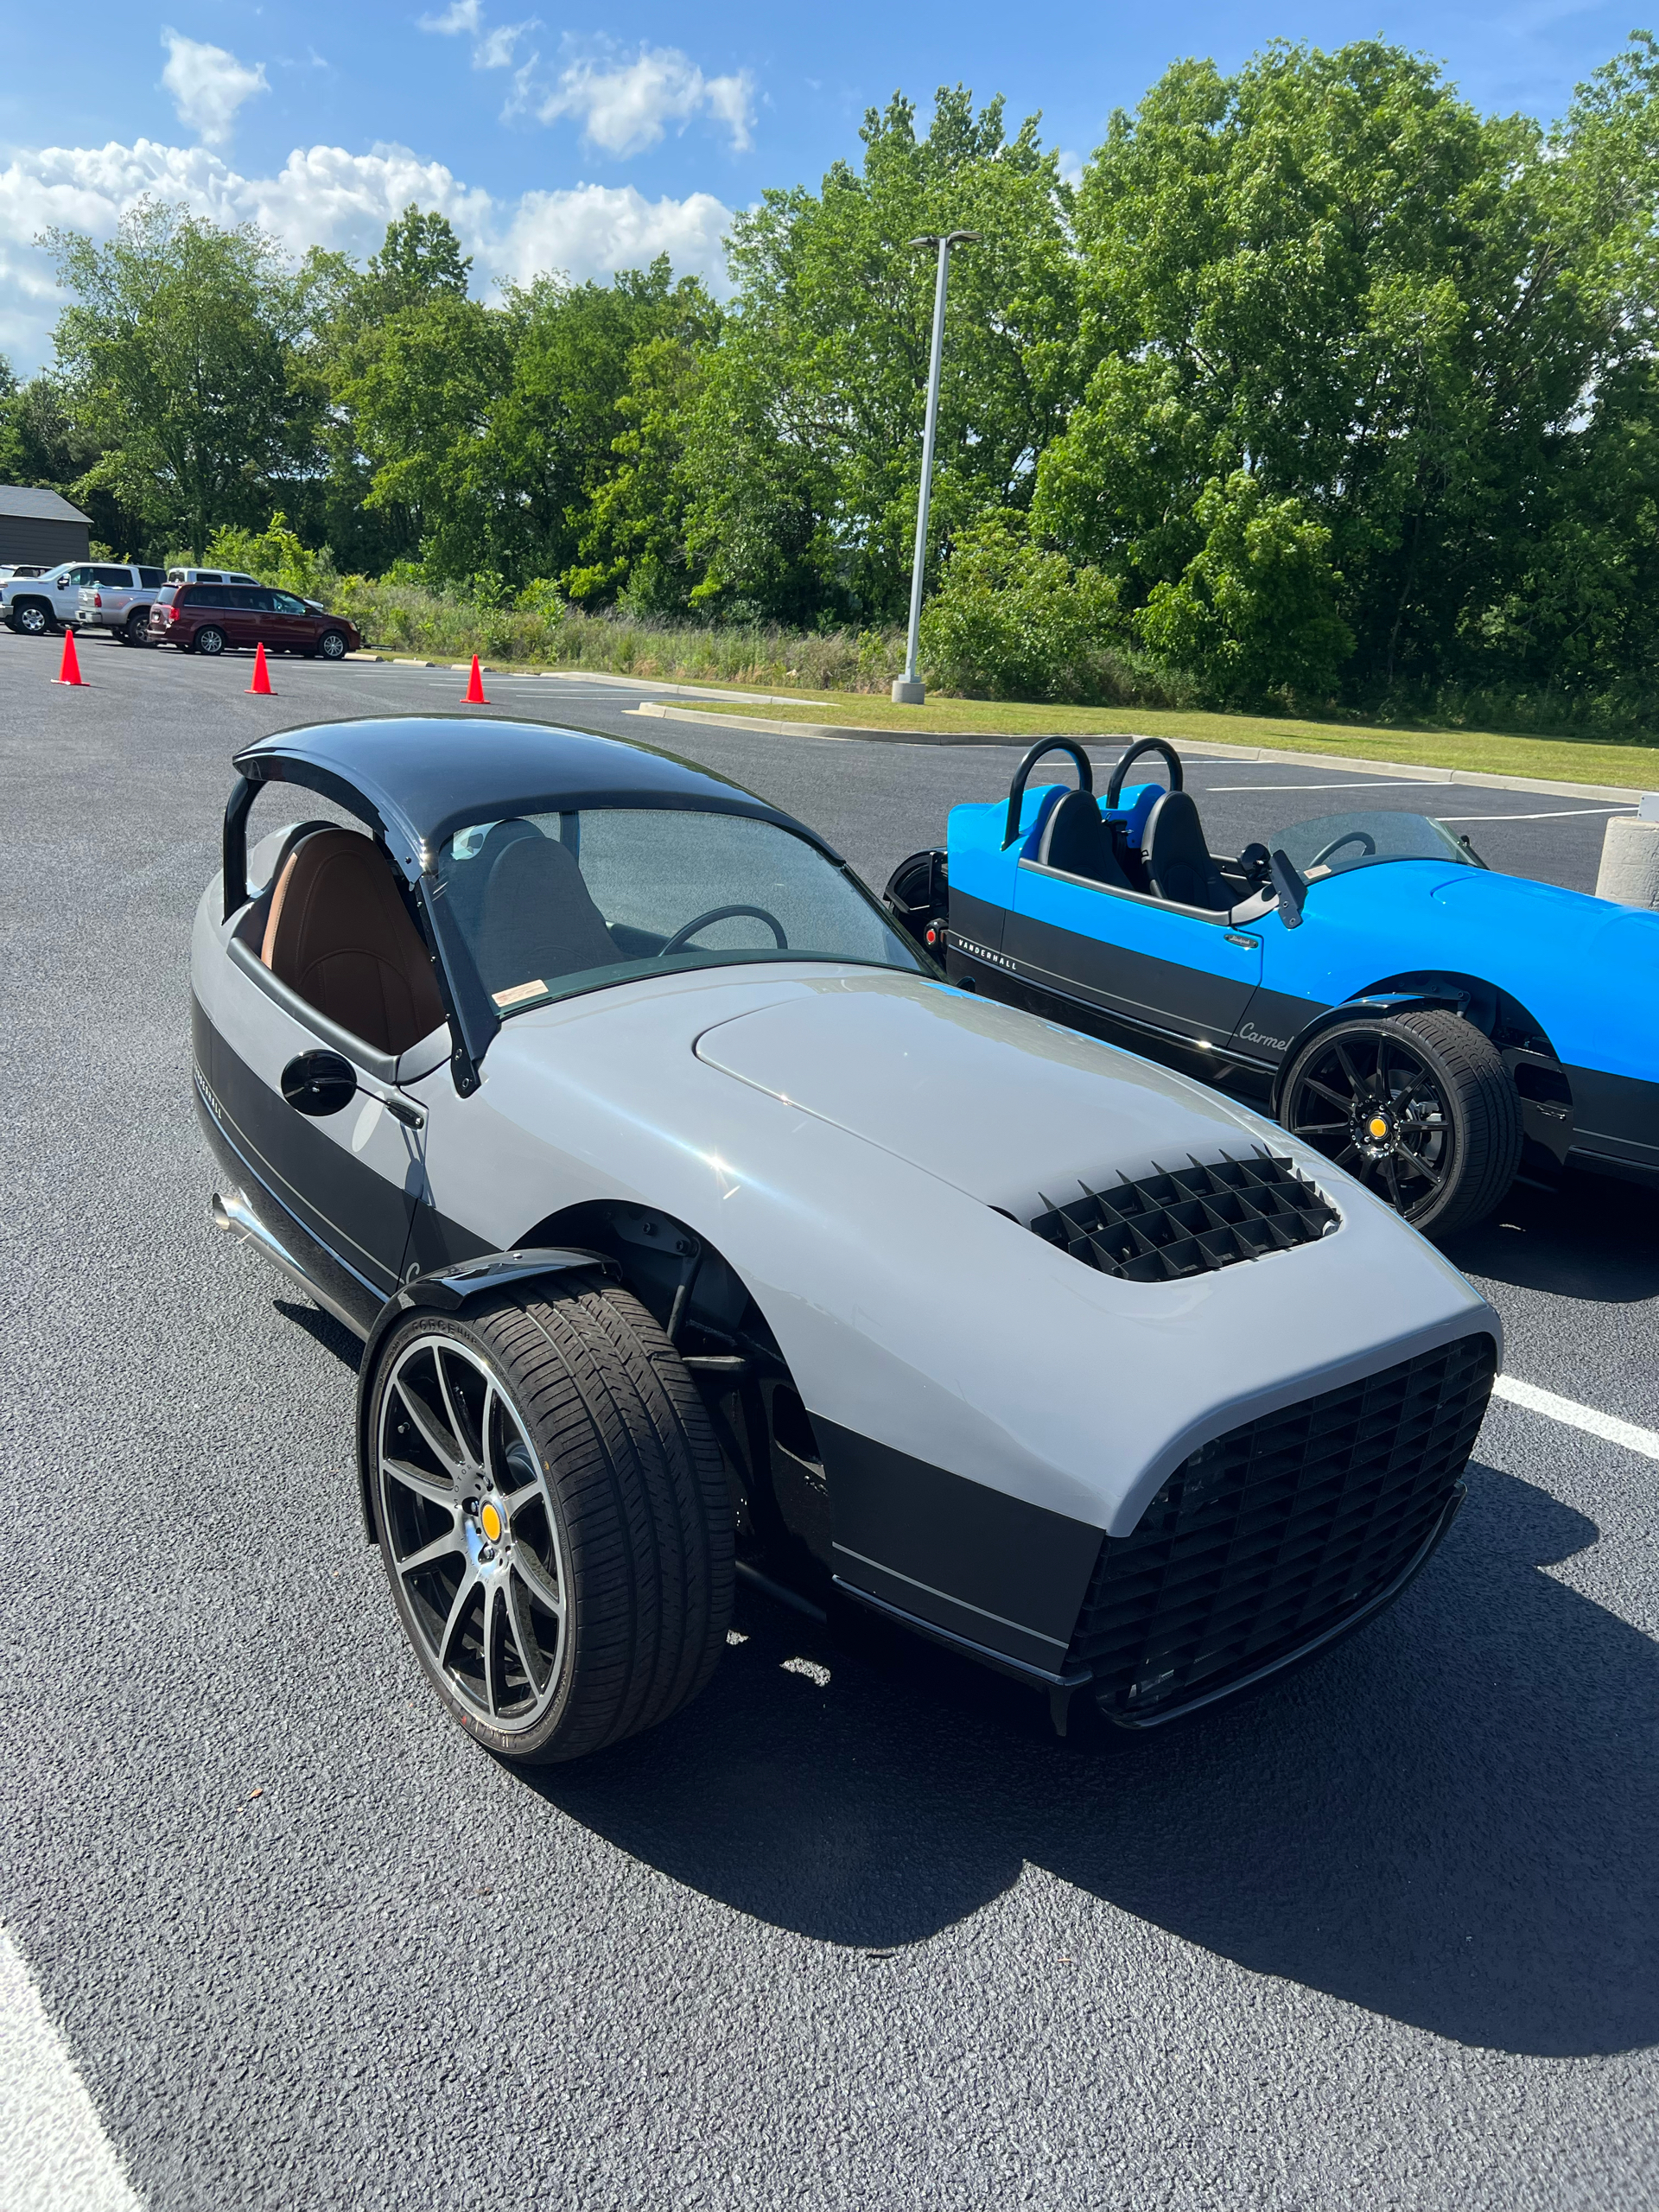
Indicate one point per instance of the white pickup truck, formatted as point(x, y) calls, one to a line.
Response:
point(84, 594)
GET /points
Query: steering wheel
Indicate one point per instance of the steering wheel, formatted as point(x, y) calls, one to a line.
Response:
point(1363, 838)
point(721, 914)
point(1017, 788)
point(1172, 760)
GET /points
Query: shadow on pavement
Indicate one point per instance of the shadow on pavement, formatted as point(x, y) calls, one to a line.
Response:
point(333, 1336)
point(1594, 1238)
point(1451, 1820)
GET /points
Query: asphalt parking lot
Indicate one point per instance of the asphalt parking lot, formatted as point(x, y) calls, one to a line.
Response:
point(854, 1930)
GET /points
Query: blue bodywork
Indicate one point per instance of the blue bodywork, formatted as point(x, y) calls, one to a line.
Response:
point(1566, 986)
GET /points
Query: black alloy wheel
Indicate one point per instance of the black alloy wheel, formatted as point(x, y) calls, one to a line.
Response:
point(32, 618)
point(209, 641)
point(1419, 1107)
point(332, 644)
point(553, 1516)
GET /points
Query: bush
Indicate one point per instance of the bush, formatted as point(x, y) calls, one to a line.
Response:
point(1016, 622)
point(1254, 612)
point(400, 616)
point(275, 556)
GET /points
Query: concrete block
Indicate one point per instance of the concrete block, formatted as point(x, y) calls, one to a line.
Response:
point(1630, 862)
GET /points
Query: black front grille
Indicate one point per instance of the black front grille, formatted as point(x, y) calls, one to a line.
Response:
point(1158, 1228)
point(1266, 1539)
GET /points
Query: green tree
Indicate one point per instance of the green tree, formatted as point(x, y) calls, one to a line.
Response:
point(358, 370)
point(174, 357)
point(804, 447)
point(415, 391)
point(633, 541)
point(1328, 270)
point(550, 444)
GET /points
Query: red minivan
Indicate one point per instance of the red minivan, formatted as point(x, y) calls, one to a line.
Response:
point(206, 618)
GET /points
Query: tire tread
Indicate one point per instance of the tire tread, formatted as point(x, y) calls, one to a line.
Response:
point(647, 1520)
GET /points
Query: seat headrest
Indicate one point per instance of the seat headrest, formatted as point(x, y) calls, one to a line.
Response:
point(1077, 841)
point(1178, 865)
point(339, 936)
point(538, 918)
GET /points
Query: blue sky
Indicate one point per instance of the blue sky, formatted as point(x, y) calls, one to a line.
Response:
point(551, 143)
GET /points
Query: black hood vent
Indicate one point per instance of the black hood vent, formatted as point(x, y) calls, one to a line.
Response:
point(1187, 1221)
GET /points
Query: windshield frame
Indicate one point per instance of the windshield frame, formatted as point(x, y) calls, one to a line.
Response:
point(457, 954)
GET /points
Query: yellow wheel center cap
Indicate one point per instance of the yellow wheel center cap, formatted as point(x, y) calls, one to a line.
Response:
point(1378, 1127)
point(491, 1522)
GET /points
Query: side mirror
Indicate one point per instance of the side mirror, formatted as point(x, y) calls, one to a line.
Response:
point(1291, 887)
point(319, 1083)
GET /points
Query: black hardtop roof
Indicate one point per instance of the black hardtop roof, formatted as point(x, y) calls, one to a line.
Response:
point(422, 777)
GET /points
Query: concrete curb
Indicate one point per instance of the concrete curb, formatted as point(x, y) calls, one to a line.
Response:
point(1200, 749)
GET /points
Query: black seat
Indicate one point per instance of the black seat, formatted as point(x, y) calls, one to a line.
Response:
point(1178, 866)
point(1076, 841)
point(538, 917)
point(467, 883)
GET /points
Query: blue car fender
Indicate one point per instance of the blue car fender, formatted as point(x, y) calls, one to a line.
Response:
point(1380, 1003)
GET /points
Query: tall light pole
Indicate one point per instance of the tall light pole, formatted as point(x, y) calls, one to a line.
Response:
point(908, 689)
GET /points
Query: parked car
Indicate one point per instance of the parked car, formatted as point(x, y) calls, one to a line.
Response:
point(688, 1215)
point(1426, 1023)
point(11, 568)
point(206, 618)
point(210, 576)
point(120, 601)
point(57, 599)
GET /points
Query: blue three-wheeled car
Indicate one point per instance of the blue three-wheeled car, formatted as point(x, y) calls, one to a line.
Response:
point(1432, 1026)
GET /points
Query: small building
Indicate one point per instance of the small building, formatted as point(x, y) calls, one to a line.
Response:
point(41, 526)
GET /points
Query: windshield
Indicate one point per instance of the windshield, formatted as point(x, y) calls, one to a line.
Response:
point(1337, 843)
point(554, 904)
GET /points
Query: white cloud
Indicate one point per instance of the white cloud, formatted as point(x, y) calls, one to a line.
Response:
point(623, 106)
point(492, 49)
point(208, 85)
point(324, 196)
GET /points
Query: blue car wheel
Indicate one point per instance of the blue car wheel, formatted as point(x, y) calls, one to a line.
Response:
point(1419, 1107)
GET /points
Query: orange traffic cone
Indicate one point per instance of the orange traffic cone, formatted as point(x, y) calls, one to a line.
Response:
point(261, 683)
point(69, 673)
point(475, 687)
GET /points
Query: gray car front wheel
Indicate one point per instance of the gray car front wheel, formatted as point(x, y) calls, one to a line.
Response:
point(553, 1516)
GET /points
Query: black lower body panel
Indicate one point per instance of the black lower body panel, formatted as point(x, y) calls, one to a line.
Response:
point(989, 1573)
point(356, 1301)
point(1615, 1124)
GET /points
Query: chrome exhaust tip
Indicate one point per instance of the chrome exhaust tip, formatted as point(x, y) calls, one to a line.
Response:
point(231, 1211)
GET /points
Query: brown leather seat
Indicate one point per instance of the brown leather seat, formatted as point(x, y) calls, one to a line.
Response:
point(340, 935)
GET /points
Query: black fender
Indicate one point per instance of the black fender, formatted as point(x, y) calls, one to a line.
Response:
point(451, 1290)
point(1376, 1002)
point(918, 897)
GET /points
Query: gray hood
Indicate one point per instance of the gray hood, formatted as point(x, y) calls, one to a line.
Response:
point(1009, 1109)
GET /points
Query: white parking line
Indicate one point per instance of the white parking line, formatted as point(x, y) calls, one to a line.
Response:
point(1555, 814)
point(1346, 784)
point(1644, 1440)
point(52, 2142)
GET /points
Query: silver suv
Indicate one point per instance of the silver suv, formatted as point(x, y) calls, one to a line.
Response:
point(68, 597)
